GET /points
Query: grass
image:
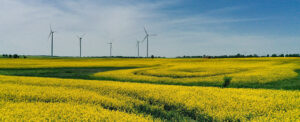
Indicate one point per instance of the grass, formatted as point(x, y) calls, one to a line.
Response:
point(69, 72)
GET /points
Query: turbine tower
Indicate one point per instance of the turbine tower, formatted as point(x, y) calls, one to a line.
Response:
point(80, 39)
point(110, 46)
point(138, 48)
point(51, 34)
point(147, 38)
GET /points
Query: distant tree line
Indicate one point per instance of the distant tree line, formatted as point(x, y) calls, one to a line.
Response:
point(241, 56)
point(13, 56)
point(152, 56)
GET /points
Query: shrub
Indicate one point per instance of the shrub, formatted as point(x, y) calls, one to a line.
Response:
point(226, 81)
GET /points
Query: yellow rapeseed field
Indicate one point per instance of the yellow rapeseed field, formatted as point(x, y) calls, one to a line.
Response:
point(209, 71)
point(168, 89)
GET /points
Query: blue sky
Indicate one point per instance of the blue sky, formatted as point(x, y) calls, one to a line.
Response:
point(183, 27)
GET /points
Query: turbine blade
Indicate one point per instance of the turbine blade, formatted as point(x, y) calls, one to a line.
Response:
point(83, 35)
point(145, 31)
point(49, 35)
point(153, 35)
point(145, 38)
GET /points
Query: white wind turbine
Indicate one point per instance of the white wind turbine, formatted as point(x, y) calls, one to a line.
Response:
point(51, 34)
point(80, 39)
point(110, 48)
point(147, 38)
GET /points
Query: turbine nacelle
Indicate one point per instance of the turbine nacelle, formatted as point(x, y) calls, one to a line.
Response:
point(81, 36)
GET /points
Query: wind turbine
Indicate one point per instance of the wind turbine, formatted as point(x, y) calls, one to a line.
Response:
point(80, 39)
point(110, 45)
point(138, 47)
point(147, 38)
point(51, 35)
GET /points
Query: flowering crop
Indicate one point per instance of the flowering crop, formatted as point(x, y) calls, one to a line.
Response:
point(211, 72)
point(56, 99)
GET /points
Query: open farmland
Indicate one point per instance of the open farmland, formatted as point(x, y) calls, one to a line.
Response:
point(73, 89)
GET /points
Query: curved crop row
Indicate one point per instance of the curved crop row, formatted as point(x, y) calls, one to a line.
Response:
point(206, 73)
point(171, 102)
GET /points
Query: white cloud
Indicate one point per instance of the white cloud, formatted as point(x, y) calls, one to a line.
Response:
point(25, 27)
